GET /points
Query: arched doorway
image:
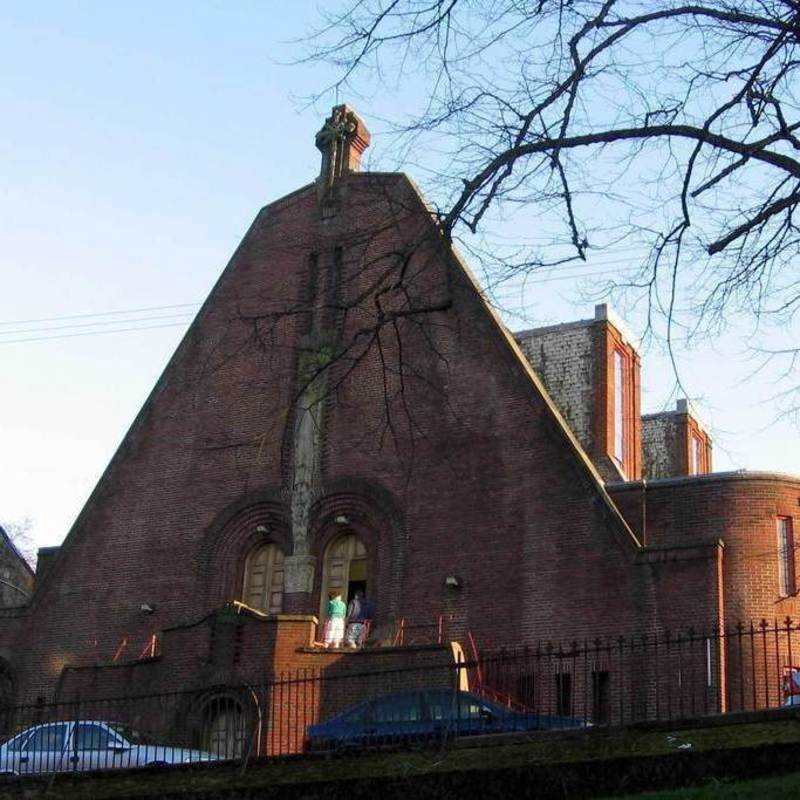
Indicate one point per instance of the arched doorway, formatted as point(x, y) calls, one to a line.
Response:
point(263, 579)
point(224, 733)
point(344, 569)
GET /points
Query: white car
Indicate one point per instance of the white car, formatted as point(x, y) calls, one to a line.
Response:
point(82, 745)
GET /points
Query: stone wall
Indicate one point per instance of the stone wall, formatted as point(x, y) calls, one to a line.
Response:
point(660, 438)
point(564, 358)
point(576, 363)
point(668, 440)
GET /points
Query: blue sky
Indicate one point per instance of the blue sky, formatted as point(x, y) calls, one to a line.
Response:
point(137, 142)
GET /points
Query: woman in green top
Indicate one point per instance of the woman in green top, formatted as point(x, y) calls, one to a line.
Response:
point(334, 626)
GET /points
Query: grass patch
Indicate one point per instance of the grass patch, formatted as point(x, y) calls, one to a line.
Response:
point(538, 749)
point(763, 789)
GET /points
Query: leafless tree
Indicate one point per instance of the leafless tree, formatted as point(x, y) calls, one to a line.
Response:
point(666, 126)
point(20, 532)
point(360, 316)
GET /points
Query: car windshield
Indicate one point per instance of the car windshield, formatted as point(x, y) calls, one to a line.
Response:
point(446, 705)
point(405, 707)
point(356, 714)
point(130, 734)
point(17, 742)
point(47, 738)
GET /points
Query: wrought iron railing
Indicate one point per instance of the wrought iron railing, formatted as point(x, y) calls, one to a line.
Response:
point(549, 686)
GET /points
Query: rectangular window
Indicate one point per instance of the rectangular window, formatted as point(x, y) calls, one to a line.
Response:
point(601, 698)
point(696, 456)
point(526, 689)
point(786, 577)
point(563, 694)
point(619, 407)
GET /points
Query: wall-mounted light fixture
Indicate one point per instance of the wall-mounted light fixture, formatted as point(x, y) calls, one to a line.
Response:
point(262, 529)
point(453, 582)
point(341, 519)
point(146, 608)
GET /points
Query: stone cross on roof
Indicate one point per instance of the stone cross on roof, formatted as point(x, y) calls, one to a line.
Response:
point(342, 140)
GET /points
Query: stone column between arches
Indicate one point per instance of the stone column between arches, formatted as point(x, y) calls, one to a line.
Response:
point(299, 567)
point(316, 352)
point(342, 140)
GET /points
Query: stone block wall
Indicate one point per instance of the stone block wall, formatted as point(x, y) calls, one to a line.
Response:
point(564, 358)
point(576, 363)
point(660, 439)
point(668, 444)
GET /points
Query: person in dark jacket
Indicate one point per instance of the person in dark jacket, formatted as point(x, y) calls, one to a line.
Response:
point(359, 615)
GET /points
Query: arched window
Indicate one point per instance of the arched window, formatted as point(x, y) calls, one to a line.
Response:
point(263, 579)
point(344, 568)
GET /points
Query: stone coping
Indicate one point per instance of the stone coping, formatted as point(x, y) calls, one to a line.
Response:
point(709, 477)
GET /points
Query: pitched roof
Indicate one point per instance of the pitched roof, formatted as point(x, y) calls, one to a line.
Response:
point(628, 536)
point(541, 389)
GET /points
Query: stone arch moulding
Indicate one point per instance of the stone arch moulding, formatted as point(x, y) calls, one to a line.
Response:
point(374, 516)
point(353, 544)
point(232, 537)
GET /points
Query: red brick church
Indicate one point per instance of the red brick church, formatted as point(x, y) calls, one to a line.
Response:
point(346, 411)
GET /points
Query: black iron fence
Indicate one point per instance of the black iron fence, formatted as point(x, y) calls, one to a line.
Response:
point(659, 676)
point(549, 686)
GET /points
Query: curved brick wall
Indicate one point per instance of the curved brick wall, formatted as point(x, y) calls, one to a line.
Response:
point(738, 508)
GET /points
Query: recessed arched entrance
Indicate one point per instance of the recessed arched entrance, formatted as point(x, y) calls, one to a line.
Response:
point(344, 568)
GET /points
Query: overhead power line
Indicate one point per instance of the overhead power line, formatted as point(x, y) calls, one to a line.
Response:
point(14, 331)
point(510, 288)
point(614, 254)
point(93, 333)
point(124, 316)
point(98, 314)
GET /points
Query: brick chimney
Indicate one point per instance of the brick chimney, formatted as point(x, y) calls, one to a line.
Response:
point(592, 371)
point(676, 443)
point(44, 559)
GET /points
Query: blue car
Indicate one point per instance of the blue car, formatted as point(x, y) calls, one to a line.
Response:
point(425, 714)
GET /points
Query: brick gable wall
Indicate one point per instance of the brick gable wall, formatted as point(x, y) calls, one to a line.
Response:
point(436, 445)
point(464, 472)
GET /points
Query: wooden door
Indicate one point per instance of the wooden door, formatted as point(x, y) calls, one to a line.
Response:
point(225, 730)
point(264, 579)
point(345, 561)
